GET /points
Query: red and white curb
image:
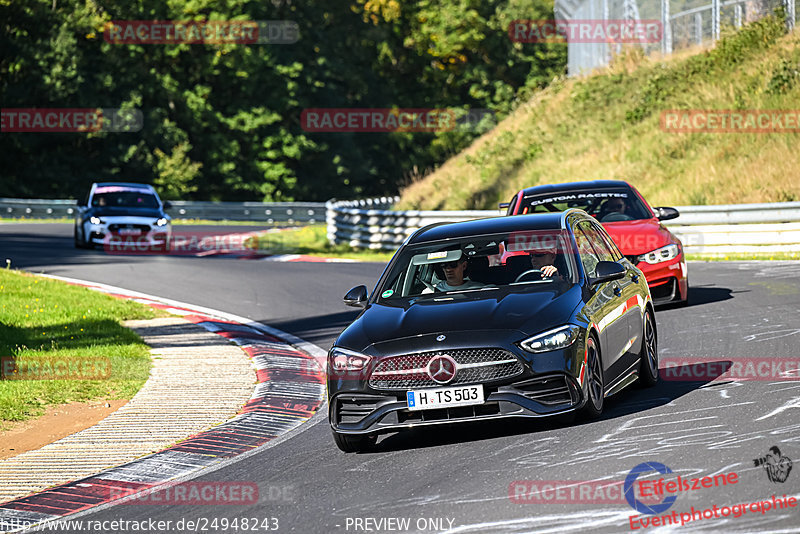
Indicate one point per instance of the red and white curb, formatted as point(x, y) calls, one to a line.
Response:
point(290, 389)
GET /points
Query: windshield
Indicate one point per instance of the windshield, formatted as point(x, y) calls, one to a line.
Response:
point(610, 205)
point(122, 197)
point(518, 261)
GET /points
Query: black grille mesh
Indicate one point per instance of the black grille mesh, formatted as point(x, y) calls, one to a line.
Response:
point(408, 378)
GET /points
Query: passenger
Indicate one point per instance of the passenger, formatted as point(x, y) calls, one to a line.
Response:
point(454, 277)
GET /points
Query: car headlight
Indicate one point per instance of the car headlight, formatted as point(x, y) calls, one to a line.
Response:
point(162, 221)
point(343, 360)
point(662, 254)
point(95, 220)
point(559, 338)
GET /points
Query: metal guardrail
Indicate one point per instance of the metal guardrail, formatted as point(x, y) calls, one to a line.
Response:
point(372, 224)
point(266, 212)
point(703, 229)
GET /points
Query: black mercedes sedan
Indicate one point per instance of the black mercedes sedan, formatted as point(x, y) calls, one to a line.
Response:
point(519, 316)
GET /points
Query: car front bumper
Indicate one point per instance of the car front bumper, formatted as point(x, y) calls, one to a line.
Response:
point(668, 281)
point(126, 235)
point(365, 413)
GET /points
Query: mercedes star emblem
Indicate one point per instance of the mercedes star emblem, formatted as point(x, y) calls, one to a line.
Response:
point(442, 369)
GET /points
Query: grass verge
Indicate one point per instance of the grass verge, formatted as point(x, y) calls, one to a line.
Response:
point(313, 241)
point(761, 256)
point(47, 326)
point(608, 126)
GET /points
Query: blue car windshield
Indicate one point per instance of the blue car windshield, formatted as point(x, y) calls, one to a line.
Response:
point(518, 261)
point(125, 199)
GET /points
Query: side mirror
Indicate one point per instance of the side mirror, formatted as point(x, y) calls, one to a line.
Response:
point(167, 205)
point(356, 297)
point(665, 214)
point(607, 271)
point(503, 205)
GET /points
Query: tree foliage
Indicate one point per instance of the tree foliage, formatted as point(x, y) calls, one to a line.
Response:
point(222, 121)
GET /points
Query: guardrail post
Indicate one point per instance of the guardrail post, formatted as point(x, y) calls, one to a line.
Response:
point(698, 28)
point(715, 17)
point(737, 17)
point(666, 29)
point(790, 14)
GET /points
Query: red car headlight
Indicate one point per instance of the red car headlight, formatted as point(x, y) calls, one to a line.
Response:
point(662, 254)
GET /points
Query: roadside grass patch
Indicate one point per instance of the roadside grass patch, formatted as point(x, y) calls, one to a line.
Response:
point(607, 126)
point(744, 256)
point(45, 321)
point(313, 240)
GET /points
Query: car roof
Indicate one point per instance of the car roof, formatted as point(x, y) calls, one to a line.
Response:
point(575, 186)
point(492, 225)
point(125, 184)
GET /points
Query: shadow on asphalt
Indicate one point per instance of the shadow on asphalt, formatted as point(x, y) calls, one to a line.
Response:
point(630, 401)
point(699, 295)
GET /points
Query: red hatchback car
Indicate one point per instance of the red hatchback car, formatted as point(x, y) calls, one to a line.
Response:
point(632, 223)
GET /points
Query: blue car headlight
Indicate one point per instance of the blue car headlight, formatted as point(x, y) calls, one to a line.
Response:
point(162, 221)
point(558, 338)
point(342, 360)
point(95, 220)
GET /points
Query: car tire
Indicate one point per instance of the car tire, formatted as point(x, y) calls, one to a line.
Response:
point(648, 356)
point(78, 242)
point(348, 443)
point(595, 386)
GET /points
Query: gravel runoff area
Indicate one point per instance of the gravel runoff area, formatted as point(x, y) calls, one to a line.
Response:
point(197, 380)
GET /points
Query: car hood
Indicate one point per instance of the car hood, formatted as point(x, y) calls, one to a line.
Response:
point(639, 237)
point(526, 313)
point(154, 213)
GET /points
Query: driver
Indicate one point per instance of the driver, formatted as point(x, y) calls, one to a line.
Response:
point(613, 209)
point(454, 277)
point(543, 259)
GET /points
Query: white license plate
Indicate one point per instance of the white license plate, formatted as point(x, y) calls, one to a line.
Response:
point(129, 231)
point(429, 399)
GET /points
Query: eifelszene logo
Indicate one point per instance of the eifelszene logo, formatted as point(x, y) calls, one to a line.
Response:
point(636, 504)
point(776, 465)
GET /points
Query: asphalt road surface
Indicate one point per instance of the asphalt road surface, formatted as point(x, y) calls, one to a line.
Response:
point(463, 479)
